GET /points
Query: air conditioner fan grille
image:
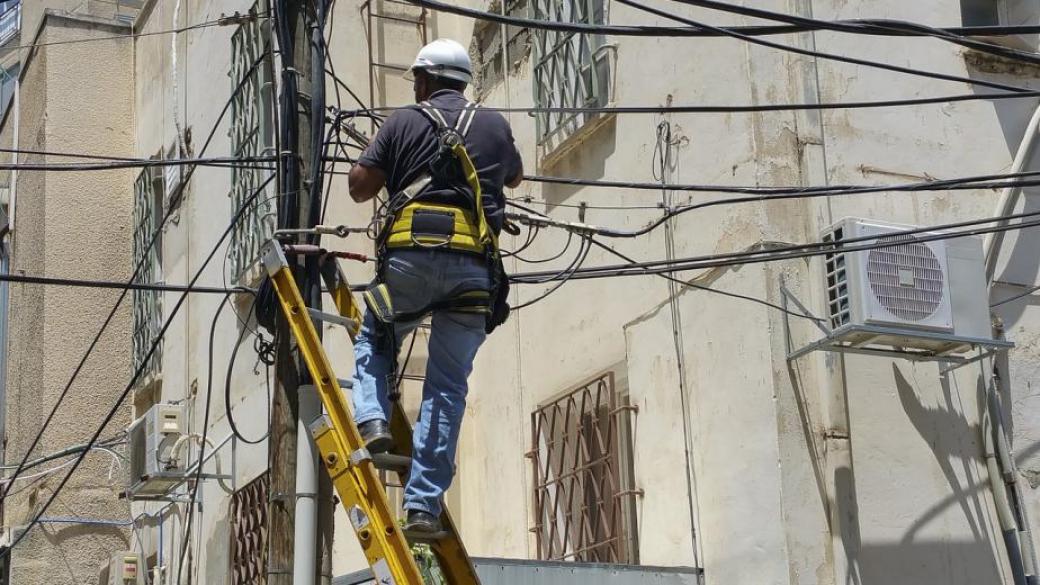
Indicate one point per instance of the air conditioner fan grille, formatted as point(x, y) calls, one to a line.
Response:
point(906, 279)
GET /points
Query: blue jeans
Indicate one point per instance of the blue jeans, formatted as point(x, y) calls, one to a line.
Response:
point(417, 278)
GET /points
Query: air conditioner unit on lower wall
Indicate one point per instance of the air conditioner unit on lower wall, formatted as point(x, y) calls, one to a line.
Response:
point(927, 295)
point(153, 472)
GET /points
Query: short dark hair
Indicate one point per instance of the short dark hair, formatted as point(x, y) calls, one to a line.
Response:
point(443, 82)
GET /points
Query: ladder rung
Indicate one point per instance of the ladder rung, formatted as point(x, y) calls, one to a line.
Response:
point(332, 318)
point(391, 462)
point(345, 384)
point(425, 537)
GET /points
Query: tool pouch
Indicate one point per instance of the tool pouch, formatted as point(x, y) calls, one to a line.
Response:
point(499, 308)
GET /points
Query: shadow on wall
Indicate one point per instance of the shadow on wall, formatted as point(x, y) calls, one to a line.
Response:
point(1019, 261)
point(587, 161)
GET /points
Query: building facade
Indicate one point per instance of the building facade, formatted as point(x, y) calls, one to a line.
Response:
point(631, 420)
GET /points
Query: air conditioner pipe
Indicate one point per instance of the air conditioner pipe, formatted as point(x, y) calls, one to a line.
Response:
point(1009, 195)
point(1005, 516)
point(1009, 481)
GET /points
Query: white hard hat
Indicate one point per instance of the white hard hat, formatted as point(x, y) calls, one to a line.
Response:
point(443, 58)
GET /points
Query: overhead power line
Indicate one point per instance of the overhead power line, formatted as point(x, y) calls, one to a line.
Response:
point(122, 285)
point(754, 108)
point(884, 27)
point(136, 273)
point(823, 55)
point(138, 372)
point(787, 252)
point(223, 21)
point(220, 161)
point(874, 27)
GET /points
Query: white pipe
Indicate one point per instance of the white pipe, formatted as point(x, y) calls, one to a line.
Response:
point(305, 543)
point(1009, 195)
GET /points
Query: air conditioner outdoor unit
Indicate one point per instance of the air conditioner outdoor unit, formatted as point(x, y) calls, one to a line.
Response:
point(928, 295)
point(152, 470)
point(123, 568)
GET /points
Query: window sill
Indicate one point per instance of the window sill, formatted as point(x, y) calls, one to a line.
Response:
point(978, 61)
point(552, 157)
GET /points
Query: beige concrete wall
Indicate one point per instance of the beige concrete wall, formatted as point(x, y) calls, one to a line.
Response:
point(74, 225)
point(819, 471)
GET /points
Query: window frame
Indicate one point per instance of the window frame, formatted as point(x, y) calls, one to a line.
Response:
point(149, 198)
point(251, 133)
point(570, 70)
point(593, 460)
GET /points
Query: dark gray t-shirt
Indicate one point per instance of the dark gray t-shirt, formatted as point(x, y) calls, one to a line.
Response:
point(408, 140)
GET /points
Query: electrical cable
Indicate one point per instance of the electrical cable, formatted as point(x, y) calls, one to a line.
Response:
point(137, 271)
point(873, 27)
point(221, 162)
point(228, 411)
point(786, 252)
point(694, 31)
point(755, 108)
point(991, 181)
point(562, 277)
point(566, 246)
point(205, 432)
point(224, 21)
point(138, 372)
point(76, 282)
point(822, 55)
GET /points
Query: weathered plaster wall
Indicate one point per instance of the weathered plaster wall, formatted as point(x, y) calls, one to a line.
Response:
point(70, 225)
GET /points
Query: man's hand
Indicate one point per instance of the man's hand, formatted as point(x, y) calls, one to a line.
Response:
point(364, 182)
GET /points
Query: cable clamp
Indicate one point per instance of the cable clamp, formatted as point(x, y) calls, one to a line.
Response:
point(360, 456)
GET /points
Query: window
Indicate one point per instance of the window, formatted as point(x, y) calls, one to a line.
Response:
point(252, 134)
point(583, 476)
point(571, 70)
point(249, 533)
point(148, 214)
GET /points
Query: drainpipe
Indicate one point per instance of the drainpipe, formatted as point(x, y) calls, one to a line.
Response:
point(1005, 515)
point(305, 543)
point(1009, 195)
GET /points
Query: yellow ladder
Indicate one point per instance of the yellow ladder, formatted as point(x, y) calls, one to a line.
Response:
point(351, 467)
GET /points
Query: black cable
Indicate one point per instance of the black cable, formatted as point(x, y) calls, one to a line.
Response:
point(138, 372)
point(795, 251)
point(822, 55)
point(665, 31)
point(566, 246)
point(227, 384)
point(219, 162)
point(992, 181)
point(873, 27)
point(205, 432)
point(137, 270)
point(690, 284)
point(532, 233)
point(46, 280)
point(565, 275)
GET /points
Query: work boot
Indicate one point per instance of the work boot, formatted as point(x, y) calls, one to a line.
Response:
point(375, 434)
point(424, 522)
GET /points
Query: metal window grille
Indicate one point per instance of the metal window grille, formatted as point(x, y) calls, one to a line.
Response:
point(582, 477)
point(252, 134)
point(571, 70)
point(249, 533)
point(148, 212)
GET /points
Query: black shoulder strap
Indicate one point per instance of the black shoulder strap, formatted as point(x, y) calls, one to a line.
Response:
point(462, 123)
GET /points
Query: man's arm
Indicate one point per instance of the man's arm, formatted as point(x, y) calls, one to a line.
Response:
point(364, 182)
point(514, 182)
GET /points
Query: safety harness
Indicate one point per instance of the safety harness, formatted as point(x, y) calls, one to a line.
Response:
point(413, 222)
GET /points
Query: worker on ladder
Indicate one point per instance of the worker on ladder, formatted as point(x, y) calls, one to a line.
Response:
point(444, 163)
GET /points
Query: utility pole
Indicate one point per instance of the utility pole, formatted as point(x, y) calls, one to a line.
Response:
point(301, 116)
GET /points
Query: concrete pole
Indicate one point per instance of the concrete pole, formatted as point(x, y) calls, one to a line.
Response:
point(305, 544)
